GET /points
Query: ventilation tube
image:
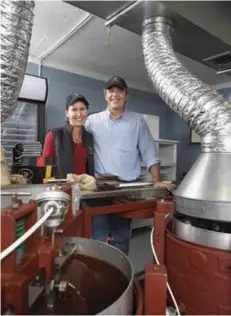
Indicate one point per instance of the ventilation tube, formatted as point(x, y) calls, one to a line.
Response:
point(205, 192)
point(16, 29)
point(201, 107)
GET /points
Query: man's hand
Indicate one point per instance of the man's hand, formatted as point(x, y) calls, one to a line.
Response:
point(155, 172)
point(164, 185)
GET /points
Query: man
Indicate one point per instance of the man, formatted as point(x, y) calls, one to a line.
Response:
point(121, 140)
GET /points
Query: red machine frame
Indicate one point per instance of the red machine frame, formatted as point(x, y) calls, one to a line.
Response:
point(40, 253)
point(155, 275)
point(155, 298)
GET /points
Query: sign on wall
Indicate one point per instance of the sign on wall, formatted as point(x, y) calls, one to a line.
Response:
point(194, 138)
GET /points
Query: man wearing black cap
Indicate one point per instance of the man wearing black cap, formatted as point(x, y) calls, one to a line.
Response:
point(121, 141)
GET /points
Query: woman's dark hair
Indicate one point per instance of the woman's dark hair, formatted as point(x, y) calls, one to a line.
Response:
point(76, 97)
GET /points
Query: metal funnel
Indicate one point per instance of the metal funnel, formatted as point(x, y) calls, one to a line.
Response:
point(205, 192)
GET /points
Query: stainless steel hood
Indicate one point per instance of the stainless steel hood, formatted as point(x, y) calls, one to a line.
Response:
point(202, 28)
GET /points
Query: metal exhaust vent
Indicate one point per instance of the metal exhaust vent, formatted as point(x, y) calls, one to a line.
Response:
point(221, 62)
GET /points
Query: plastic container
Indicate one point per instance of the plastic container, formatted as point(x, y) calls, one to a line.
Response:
point(75, 197)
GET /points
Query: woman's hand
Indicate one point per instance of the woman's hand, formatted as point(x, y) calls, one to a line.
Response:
point(86, 182)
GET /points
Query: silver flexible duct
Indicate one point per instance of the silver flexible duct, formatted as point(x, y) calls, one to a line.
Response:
point(16, 29)
point(201, 107)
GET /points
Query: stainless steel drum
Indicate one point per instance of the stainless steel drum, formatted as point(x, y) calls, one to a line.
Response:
point(210, 234)
point(100, 279)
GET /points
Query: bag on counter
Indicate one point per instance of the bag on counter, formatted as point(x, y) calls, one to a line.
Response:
point(5, 176)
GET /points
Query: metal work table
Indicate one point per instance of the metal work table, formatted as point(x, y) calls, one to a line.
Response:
point(134, 192)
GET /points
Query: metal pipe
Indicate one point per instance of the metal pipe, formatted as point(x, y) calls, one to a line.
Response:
point(40, 68)
point(202, 108)
point(216, 56)
point(60, 42)
point(123, 12)
point(16, 30)
point(225, 71)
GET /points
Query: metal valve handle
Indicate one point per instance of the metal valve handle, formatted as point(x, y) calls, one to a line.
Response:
point(15, 195)
point(5, 193)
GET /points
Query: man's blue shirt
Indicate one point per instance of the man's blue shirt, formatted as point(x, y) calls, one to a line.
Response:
point(121, 144)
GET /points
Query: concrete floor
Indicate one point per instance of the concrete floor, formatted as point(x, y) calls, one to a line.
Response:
point(140, 249)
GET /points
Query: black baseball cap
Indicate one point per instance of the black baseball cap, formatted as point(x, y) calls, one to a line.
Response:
point(117, 82)
point(75, 97)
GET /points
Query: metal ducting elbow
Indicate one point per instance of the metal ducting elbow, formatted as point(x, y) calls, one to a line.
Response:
point(206, 190)
point(16, 29)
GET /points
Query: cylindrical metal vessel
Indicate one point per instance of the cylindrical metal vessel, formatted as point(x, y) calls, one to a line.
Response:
point(210, 234)
point(199, 276)
point(113, 256)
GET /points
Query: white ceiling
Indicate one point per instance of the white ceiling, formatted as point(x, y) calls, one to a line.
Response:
point(91, 51)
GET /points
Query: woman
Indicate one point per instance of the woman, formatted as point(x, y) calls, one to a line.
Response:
point(71, 146)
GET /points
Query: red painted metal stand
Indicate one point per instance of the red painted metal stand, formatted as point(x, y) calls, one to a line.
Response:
point(39, 254)
point(155, 300)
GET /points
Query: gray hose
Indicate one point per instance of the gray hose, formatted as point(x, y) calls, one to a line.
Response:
point(16, 29)
point(202, 108)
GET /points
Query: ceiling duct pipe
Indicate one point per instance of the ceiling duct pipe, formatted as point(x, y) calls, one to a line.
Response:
point(205, 192)
point(16, 29)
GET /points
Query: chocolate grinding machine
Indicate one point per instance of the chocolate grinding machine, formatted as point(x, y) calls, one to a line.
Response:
point(74, 276)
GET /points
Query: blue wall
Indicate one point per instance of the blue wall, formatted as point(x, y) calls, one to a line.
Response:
point(62, 83)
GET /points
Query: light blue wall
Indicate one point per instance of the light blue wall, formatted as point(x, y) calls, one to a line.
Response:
point(62, 83)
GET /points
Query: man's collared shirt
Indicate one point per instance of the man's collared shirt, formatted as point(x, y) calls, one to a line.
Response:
point(121, 144)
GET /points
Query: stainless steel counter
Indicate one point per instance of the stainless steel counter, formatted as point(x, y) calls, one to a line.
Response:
point(142, 192)
point(134, 192)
